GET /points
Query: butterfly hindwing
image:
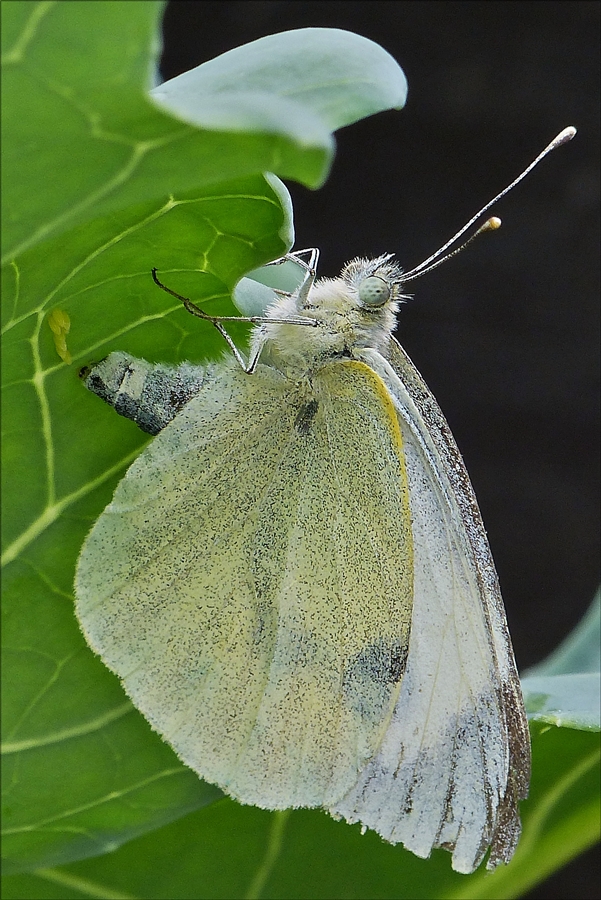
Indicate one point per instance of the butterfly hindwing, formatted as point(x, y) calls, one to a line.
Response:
point(251, 581)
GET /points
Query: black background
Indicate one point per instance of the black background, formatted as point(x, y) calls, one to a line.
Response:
point(507, 334)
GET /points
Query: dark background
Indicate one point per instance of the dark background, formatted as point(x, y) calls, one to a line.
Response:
point(507, 334)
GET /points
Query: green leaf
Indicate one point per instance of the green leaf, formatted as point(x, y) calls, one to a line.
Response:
point(228, 850)
point(100, 186)
point(565, 688)
point(569, 700)
point(305, 83)
point(86, 139)
point(253, 294)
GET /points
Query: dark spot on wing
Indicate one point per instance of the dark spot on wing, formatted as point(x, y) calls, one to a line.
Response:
point(305, 416)
point(381, 662)
point(372, 675)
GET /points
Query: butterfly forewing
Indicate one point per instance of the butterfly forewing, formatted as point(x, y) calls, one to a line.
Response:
point(453, 778)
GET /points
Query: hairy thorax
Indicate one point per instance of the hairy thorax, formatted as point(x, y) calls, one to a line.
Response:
point(343, 325)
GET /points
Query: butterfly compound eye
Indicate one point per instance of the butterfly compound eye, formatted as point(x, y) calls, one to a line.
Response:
point(374, 291)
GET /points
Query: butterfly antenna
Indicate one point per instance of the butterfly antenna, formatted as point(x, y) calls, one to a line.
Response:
point(491, 224)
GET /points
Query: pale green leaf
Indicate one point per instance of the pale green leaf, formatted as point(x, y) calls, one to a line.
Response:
point(305, 83)
point(564, 689)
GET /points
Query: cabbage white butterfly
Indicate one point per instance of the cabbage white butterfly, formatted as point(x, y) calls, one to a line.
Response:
point(293, 581)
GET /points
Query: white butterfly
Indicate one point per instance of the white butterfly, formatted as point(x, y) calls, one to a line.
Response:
point(294, 584)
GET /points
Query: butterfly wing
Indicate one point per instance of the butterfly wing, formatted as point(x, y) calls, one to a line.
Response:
point(251, 581)
point(456, 757)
